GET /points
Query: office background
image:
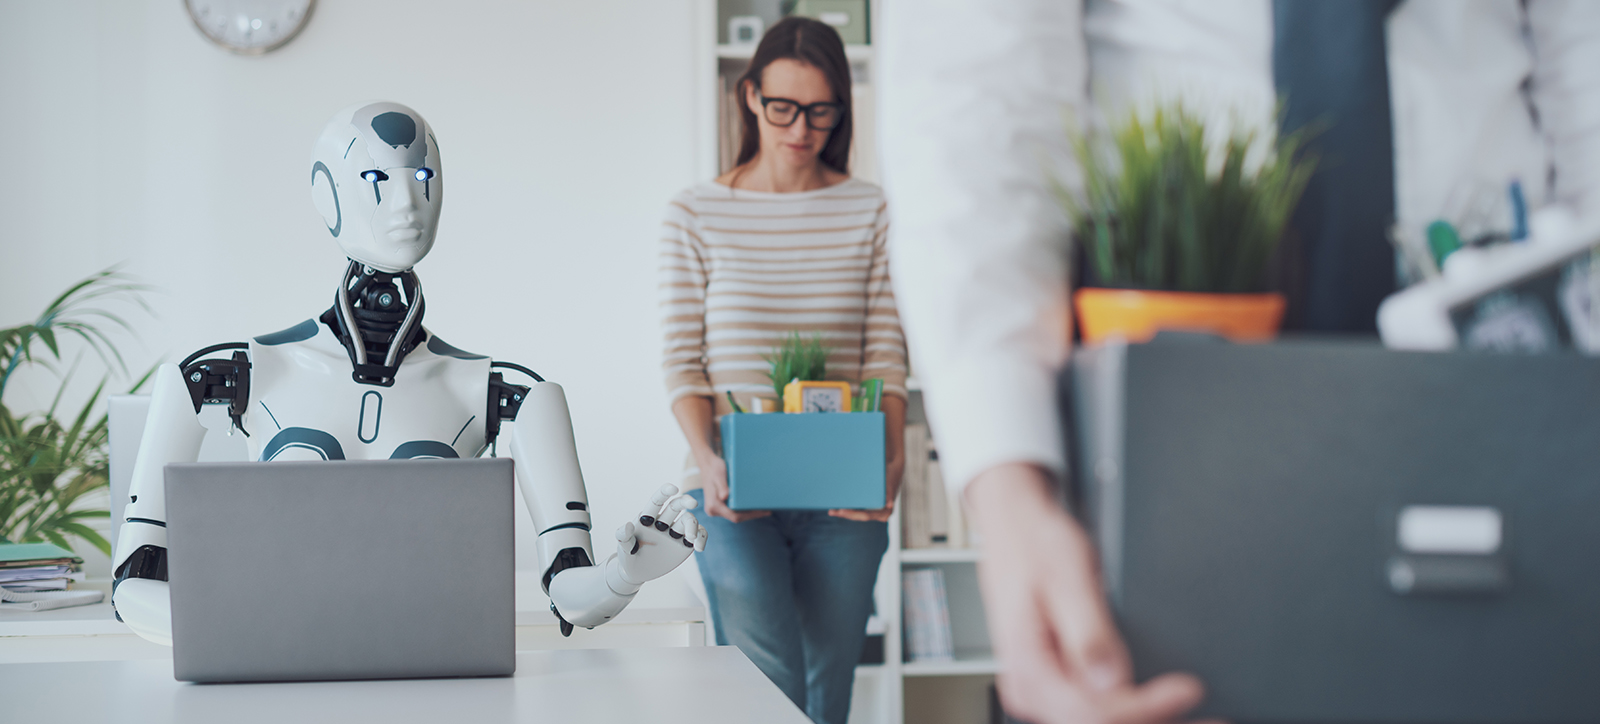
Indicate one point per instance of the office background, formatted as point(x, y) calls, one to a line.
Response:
point(565, 126)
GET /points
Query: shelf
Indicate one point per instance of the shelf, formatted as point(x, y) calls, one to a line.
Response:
point(855, 53)
point(939, 555)
point(976, 665)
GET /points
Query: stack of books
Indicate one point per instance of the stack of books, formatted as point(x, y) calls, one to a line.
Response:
point(36, 576)
point(930, 517)
point(927, 615)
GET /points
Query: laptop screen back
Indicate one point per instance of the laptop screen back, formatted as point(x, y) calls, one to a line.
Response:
point(341, 570)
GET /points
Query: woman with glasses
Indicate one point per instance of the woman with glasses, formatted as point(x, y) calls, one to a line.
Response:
point(786, 241)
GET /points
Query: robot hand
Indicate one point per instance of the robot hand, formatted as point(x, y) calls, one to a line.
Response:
point(662, 538)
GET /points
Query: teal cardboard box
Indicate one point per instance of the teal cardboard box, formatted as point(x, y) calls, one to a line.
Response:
point(804, 461)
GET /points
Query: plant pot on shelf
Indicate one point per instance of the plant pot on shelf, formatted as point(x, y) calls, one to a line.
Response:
point(1136, 315)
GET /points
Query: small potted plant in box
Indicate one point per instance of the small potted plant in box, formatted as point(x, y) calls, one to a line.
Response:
point(1177, 229)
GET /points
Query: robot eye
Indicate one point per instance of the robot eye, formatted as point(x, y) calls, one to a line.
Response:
point(374, 176)
point(424, 173)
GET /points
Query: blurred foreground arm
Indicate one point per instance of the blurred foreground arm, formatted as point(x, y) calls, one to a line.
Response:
point(974, 98)
point(1061, 659)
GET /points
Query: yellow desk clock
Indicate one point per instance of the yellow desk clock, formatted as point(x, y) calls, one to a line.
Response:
point(816, 396)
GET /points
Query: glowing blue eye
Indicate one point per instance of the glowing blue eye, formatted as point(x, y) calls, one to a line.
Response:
point(424, 173)
point(374, 176)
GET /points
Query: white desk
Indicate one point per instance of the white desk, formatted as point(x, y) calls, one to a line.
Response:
point(703, 685)
point(665, 613)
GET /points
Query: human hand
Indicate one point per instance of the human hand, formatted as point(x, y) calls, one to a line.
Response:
point(661, 539)
point(892, 477)
point(714, 476)
point(1061, 658)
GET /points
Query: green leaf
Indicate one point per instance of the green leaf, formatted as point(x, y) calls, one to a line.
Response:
point(87, 534)
point(797, 358)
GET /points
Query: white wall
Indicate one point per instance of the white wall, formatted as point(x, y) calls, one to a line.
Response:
point(125, 136)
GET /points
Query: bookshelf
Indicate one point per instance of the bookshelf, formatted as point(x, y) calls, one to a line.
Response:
point(939, 691)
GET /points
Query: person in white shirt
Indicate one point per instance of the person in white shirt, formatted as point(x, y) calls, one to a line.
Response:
point(973, 101)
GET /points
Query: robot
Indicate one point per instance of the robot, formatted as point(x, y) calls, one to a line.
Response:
point(366, 380)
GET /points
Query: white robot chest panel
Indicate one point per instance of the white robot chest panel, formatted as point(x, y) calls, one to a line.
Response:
point(304, 405)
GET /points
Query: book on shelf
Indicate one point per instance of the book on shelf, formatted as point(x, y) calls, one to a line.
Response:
point(955, 521)
point(913, 489)
point(930, 515)
point(938, 507)
point(927, 615)
point(730, 125)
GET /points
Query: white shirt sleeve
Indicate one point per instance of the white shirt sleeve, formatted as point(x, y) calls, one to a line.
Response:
point(974, 102)
point(1566, 96)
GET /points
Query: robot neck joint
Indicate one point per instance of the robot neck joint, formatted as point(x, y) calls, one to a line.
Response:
point(378, 318)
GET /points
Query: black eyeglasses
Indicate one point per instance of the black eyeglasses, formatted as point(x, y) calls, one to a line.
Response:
point(819, 116)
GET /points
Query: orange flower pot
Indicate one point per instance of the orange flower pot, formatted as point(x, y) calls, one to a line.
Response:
point(1137, 315)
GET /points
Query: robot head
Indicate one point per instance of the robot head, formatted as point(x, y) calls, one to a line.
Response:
point(376, 180)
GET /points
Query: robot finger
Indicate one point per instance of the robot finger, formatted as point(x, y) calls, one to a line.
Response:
point(669, 513)
point(627, 539)
point(678, 506)
point(657, 504)
point(695, 535)
point(685, 529)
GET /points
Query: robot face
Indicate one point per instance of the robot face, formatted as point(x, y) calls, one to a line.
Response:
point(376, 181)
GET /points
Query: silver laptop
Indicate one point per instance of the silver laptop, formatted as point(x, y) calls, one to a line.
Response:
point(296, 571)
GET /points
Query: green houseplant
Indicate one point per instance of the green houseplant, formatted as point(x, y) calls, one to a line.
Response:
point(798, 358)
point(1177, 228)
point(52, 462)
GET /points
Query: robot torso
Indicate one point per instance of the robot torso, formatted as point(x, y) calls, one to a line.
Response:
point(305, 406)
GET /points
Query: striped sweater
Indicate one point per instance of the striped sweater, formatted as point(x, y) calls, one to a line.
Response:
point(740, 270)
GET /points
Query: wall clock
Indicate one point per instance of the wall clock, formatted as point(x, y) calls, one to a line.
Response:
point(249, 27)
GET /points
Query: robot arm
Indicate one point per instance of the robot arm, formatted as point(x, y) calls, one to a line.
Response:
point(172, 433)
point(582, 593)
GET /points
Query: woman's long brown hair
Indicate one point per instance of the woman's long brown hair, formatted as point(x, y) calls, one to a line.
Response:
point(817, 45)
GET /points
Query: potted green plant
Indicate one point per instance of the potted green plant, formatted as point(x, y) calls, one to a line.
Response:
point(51, 464)
point(804, 359)
point(1177, 228)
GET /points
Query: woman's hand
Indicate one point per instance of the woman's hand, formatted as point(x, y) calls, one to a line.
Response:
point(894, 438)
point(714, 476)
point(695, 416)
point(892, 476)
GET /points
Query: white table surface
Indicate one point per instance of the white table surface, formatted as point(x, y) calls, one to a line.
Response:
point(667, 600)
point(705, 685)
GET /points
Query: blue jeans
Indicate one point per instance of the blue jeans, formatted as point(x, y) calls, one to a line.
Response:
point(793, 591)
